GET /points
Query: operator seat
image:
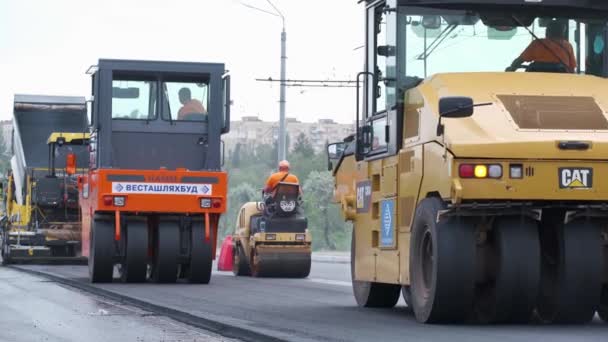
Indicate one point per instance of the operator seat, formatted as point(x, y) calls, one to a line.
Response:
point(282, 210)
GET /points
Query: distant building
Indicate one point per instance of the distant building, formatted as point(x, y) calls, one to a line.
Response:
point(252, 131)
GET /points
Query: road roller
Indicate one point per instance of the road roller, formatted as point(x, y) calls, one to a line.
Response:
point(155, 189)
point(272, 237)
point(475, 181)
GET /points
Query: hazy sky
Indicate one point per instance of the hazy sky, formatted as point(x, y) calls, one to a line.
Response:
point(46, 47)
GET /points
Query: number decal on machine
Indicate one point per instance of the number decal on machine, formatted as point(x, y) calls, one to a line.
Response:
point(364, 196)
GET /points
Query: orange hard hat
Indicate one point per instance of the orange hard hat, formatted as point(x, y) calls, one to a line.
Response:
point(283, 164)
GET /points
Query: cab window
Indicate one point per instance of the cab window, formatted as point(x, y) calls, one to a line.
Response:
point(133, 99)
point(185, 101)
point(379, 138)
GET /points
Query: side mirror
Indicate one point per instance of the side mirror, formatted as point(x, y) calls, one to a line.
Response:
point(431, 22)
point(226, 103)
point(70, 164)
point(334, 152)
point(456, 107)
point(366, 136)
point(387, 50)
point(125, 93)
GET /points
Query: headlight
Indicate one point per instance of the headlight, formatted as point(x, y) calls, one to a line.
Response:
point(270, 237)
point(288, 206)
point(206, 203)
point(119, 201)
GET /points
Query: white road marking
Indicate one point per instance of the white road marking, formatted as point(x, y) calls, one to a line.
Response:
point(330, 282)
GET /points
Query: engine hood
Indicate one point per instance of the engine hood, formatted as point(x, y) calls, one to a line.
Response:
point(529, 115)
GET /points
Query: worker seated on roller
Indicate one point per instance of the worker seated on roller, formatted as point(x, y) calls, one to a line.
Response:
point(282, 176)
point(192, 109)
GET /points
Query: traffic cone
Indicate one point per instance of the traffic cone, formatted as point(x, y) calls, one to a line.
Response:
point(225, 261)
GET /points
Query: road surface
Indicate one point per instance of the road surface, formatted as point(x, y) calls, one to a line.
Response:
point(320, 308)
point(35, 309)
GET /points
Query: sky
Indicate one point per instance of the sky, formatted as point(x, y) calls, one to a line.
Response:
point(47, 46)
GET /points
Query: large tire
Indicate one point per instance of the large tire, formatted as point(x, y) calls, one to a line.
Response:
point(5, 249)
point(511, 297)
point(101, 251)
point(442, 265)
point(571, 282)
point(201, 258)
point(371, 294)
point(406, 293)
point(134, 264)
point(602, 311)
point(240, 265)
point(166, 252)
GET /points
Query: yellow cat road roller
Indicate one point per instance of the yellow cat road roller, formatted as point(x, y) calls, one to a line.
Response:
point(476, 179)
point(272, 238)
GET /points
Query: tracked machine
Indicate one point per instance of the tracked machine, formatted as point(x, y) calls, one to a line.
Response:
point(272, 237)
point(479, 194)
point(155, 191)
point(42, 220)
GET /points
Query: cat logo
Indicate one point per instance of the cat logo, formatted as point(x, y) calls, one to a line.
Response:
point(575, 178)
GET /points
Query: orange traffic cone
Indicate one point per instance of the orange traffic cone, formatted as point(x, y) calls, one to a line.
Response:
point(225, 261)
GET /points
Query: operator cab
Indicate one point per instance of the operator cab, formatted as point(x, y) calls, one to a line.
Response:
point(162, 114)
point(409, 42)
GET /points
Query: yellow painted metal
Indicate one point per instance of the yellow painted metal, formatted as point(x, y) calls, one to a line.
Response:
point(249, 242)
point(69, 138)
point(427, 164)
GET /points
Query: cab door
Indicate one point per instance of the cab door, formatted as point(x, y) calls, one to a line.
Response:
point(376, 236)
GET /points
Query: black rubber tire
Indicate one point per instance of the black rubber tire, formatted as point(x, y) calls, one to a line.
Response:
point(511, 297)
point(602, 310)
point(4, 249)
point(166, 252)
point(406, 293)
point(101, 251)
point(372, 294)
point(258, 270)
point(442, 265)
point(134, 265)
point(571, 276)
point(201, 258)
point(240, 264)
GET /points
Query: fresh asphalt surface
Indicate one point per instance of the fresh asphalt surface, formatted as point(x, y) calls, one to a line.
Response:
point(34, 309)
point(320, 308)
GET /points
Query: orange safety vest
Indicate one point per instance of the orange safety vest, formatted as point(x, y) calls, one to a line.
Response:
point(538, 51)
point(278, 177)
point(190, 107)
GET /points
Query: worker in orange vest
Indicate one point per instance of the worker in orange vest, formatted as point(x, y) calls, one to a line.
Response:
point(555, 48)
point(189, 105)
point(282, 175)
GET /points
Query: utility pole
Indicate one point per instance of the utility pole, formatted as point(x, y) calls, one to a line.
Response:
point(282, 148)
point(283, 101)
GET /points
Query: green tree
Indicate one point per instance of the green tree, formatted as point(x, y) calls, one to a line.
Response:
point(5, 158)
point(237, 196)
point(303, 146)
point(328, 228)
